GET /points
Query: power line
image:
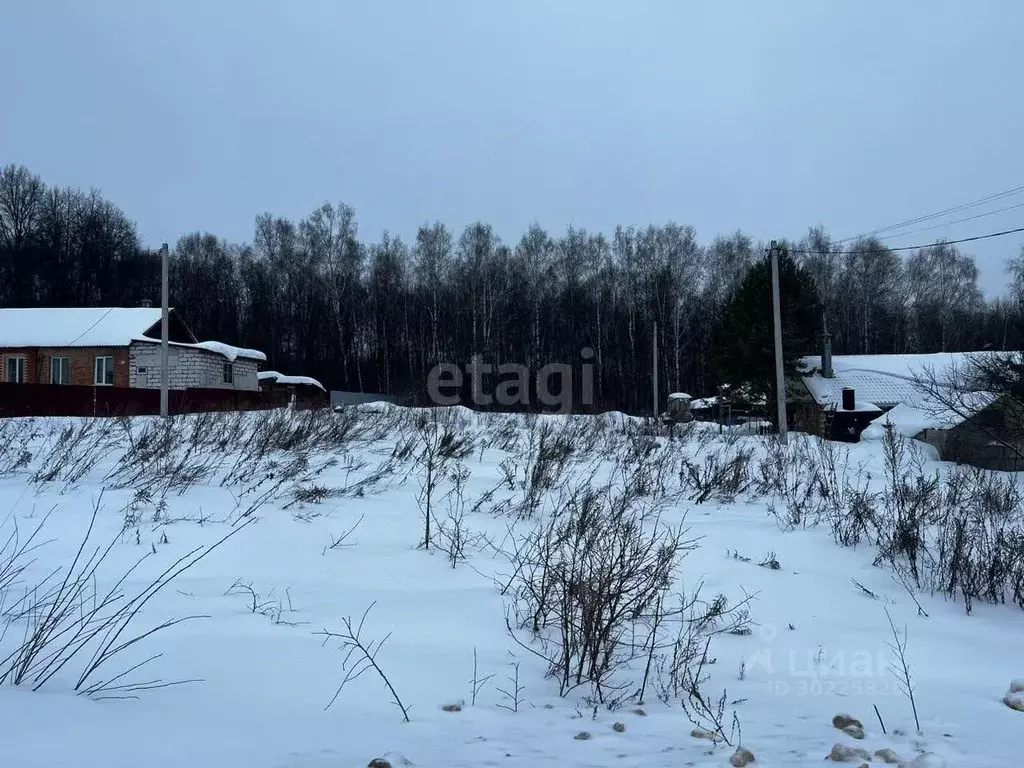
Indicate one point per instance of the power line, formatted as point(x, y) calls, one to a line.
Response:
point(957, 221)
point(931, 216)
point(919, 247)
point(944, 212)
point(102, 318)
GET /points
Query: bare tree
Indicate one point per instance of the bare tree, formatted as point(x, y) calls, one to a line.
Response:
point(943, 285)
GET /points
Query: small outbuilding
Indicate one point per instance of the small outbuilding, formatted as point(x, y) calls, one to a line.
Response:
point(703, 408)
point(304, 391)
point(678, 411)
point(982, 430)
point(301, 386)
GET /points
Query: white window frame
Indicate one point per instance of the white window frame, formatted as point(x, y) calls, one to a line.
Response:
point(108, 370)
point(65, 367)
point(19, 376)
point(229, 373)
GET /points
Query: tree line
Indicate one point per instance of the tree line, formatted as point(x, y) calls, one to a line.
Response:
point(378, 316)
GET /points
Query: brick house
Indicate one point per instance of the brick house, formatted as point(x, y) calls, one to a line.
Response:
point(116, 347)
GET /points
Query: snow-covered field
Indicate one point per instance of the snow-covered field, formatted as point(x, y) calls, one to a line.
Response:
point(743, 595)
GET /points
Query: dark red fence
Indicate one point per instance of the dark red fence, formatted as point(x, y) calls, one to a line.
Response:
point(71, 400)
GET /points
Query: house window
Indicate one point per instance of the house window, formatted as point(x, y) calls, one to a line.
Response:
point(60, 370)
point(14, 370)
point(229, 373)
point(104, 371)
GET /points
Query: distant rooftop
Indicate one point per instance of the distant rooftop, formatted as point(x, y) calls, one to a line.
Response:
point(78, 327)
point(102, 327)
point(288, 381)
point(885, 380)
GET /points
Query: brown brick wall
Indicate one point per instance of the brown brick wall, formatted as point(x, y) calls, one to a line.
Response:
point(31, 360)
point(82, 363)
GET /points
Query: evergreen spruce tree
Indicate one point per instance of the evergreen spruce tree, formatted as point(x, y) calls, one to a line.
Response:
point(743, 354)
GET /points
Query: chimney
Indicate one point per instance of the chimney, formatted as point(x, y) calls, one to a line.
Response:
point(146, 303)
point(826, 355)
point(849, 399)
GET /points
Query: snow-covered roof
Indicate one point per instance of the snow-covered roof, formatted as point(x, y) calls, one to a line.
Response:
point(911, 420)
point(879, 388)
point(885, 380)
point(78, 327)
point(704, 402)
point(280, 378)
point(97, 327)
point(230, 352)
point(215, 347)
point(679, 396)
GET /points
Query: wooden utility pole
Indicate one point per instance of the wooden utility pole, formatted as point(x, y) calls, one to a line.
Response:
point(780, 375)
point(165, 374)
point(655, 369)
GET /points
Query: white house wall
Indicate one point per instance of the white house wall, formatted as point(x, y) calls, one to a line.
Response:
point(189, 368)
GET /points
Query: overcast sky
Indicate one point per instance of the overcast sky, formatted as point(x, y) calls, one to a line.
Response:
point(768, 117)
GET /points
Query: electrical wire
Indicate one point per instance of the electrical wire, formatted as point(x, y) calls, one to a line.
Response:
point(937, 214)
point(102, 318)
point(957, 221)
point(919, 247)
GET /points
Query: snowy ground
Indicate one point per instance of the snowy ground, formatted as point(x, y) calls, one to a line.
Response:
point(814, 644)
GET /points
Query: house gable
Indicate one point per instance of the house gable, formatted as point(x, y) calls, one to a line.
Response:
point(177, 330)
